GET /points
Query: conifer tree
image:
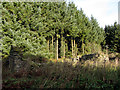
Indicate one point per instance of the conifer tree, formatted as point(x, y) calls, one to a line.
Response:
point(21, 24)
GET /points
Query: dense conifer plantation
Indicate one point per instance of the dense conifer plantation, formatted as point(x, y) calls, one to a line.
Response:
point(55, 45)
point(49, 29)
point(113, 37)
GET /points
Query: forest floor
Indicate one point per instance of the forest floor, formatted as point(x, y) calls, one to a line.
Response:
point(65, 75)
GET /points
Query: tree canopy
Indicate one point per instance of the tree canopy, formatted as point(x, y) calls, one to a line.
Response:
point(38, 27)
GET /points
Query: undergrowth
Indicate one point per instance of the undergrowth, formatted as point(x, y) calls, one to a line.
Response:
point(64, 75)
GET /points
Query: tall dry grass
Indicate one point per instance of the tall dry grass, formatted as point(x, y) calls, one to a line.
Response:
point(90, 74)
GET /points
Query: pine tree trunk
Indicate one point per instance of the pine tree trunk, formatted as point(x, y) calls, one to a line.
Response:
point(72, 46)
point(76, 49)
point(57, 48)
point(48, 44)
point(62, 48)
point(52, 44)
point(83, 47)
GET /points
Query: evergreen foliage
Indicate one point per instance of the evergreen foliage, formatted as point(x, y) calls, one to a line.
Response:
point(22, 27)
point(113, 37)
point(49, 29)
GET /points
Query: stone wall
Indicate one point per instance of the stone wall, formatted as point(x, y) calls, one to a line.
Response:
point(15, 61)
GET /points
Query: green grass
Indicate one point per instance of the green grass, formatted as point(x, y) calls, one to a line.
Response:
point(64, 75)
